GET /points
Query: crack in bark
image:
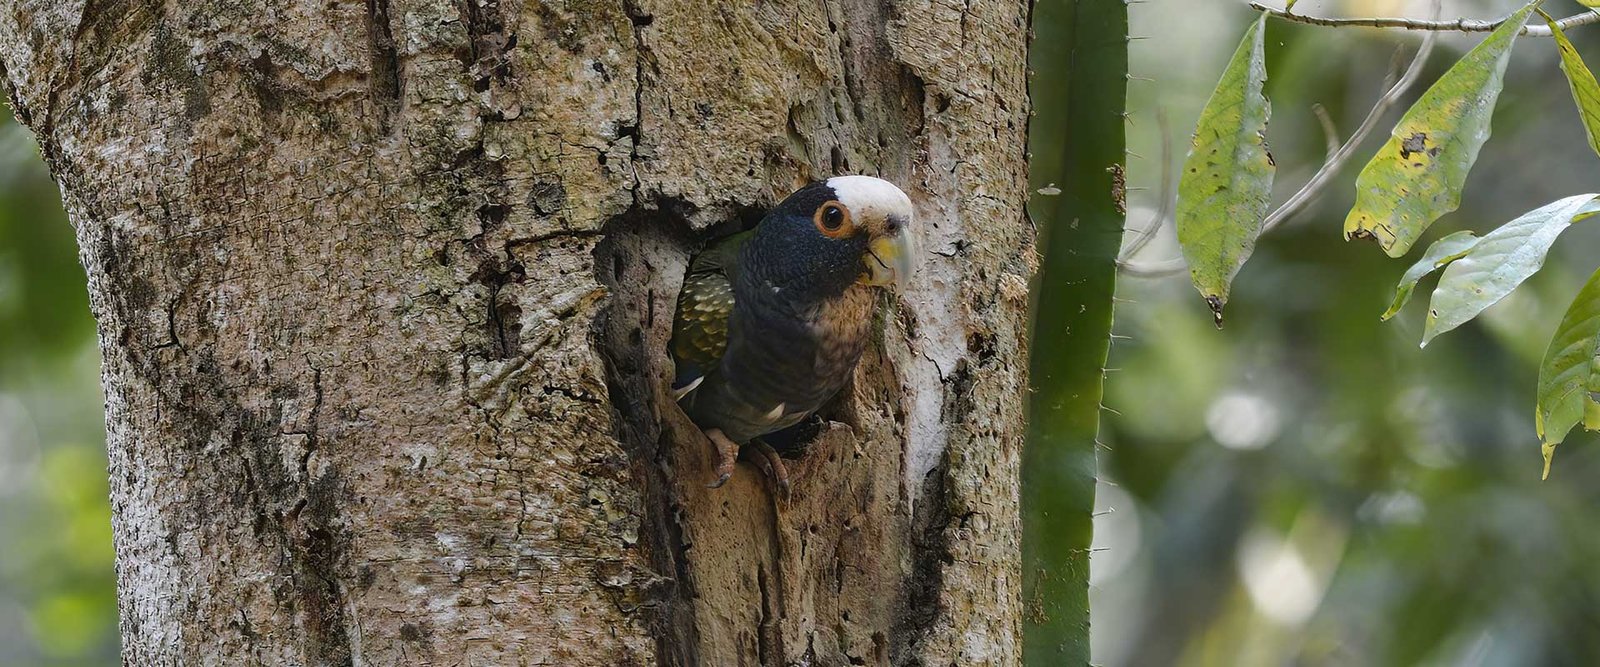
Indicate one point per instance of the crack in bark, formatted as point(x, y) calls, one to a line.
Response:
point(309, 532)
point(489, 45)
point(45, 130)
point(316, 555)
point(929, 554)
point(640, 20)
point(312, 430)
point(385, 63)
point(769, 639)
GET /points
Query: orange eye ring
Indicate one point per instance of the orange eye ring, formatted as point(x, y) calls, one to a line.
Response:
point(833, 220)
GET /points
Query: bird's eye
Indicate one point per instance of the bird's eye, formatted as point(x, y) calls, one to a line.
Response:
point(833, 219)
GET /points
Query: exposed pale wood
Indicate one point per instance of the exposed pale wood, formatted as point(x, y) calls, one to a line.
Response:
point(383, 290)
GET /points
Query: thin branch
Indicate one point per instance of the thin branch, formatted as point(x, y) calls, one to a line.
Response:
point(1319, 181)
point(1454, 25)
point(1169, 198)
point(1330, 133)
point(1161, 269)
point(1168, 193)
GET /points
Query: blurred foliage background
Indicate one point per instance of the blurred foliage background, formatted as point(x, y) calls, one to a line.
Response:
point(57, 597)
point(1308, 487)
point(1305, 487)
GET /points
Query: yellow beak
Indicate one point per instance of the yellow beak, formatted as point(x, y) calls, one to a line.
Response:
point(890, 260)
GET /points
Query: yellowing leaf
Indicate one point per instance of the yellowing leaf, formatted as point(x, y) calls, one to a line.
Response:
point(1501, 261)
point(1569, 376)
point(1417, 176)
point(1442, 252)
point(1227, 178)
point(1585, 90)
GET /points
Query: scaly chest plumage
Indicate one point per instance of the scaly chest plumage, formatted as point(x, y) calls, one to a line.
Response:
point(783, 362)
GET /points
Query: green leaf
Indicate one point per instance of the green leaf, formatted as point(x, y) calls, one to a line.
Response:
point(1585, 90)
point(1227, 178)
point(1417, 176)
point(1498, 264)
point(1289, 6)
point(1442, 252)
point(1569, 377)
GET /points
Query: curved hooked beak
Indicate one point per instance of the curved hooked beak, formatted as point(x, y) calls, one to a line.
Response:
point(891, 258)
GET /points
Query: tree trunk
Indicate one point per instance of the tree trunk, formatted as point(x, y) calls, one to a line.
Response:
point(383, 291)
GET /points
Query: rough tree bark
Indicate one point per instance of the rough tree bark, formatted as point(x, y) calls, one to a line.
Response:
point(383, 289)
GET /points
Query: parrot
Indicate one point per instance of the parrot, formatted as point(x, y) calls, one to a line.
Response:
point(771, 322)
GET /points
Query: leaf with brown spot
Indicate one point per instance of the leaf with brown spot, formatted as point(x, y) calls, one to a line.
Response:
point(1227, 178)
point(1417, 176)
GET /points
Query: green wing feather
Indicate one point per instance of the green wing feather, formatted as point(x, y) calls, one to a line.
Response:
point(700, 329)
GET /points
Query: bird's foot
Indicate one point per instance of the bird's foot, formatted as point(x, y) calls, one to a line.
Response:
point(727, 454)
point(770, 463)
point(766, 458)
